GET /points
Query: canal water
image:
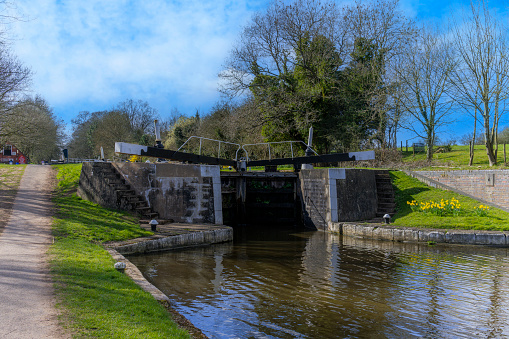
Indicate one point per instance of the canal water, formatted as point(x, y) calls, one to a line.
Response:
point(287, 284)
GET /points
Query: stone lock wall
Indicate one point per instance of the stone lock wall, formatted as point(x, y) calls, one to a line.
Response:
point(184, 193)
point(93, 187)
point(192, 193)
point(337, 195)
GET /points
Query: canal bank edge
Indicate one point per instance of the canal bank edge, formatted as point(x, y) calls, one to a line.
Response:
point(173, 236)
point(167, 239)
point(410, 234)
point(135, 274)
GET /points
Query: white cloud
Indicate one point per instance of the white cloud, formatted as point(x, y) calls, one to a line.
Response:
point(107, 51)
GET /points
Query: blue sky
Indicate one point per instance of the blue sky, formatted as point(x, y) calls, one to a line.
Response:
point(91, 55)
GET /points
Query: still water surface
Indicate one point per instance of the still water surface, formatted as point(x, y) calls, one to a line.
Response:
point(284, 284)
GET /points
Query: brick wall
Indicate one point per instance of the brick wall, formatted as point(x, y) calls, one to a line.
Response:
point(15, 155)
point(488, 185)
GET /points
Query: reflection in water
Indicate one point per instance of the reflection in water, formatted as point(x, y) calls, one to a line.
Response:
point(318, 285)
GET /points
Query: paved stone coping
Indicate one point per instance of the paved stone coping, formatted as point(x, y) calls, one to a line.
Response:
point(172, 236)
point(412, 234)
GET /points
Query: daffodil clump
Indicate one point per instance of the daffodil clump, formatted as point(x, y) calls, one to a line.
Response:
point(482, 210)
point(413, 205)
point(445, 207)
point(441, 208)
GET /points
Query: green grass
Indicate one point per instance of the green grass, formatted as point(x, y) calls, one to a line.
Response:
point(458, 157)
point(98, 301)
point(10, 176)
point(409, 189)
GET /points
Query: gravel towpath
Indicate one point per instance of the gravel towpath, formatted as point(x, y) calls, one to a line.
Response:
point(27, 302)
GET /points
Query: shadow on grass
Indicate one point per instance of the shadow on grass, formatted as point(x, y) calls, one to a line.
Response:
point(403, 195)
point(77, 218)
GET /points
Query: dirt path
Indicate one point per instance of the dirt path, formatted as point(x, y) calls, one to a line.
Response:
point(27, 305)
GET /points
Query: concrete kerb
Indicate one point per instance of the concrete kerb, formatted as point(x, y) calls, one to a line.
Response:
point(407, 234)
point(134, 273)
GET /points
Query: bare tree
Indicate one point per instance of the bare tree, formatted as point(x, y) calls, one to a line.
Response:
point(113, 126)
point(15, 78)
point(14, 81)
point(131, 121)
point(268, 45)
point(482, 78)
point(424, 86)
point(140, 115)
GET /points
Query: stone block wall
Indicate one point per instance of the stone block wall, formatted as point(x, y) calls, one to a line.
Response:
point(337, 195)
point(315, 200)
point(491, 186)
point(184, 193)
point(93, 187)
point(356, 195)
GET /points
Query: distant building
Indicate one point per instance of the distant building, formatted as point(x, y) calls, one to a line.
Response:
point(10, 153)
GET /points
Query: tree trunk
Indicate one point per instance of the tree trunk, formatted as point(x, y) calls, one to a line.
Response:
point(471, 150)
point(488, 141)
point(430, 143)
point(491, 154)
point(472, 143)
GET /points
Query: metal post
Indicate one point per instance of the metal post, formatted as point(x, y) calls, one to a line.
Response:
point(505, 159)
point(156, 127)
point(309, 152)
point(199, 153)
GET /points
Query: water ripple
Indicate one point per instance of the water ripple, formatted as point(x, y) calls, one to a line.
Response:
point(310, 286)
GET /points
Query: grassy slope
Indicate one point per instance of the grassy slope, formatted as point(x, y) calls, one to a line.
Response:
point(458, 157)
point(98, 301)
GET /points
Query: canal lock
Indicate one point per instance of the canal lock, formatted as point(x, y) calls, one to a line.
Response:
point(261, 199)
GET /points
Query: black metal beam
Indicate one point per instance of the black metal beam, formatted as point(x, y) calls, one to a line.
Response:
point(189, 157)
point(327, 158)
point(162, 153)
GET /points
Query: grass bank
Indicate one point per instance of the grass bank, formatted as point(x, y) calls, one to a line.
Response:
point(96, 300)
point(419, 205)
point(10, 177)
point(457, 157)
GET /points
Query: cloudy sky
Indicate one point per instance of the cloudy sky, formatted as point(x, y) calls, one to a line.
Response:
point(91, 55)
